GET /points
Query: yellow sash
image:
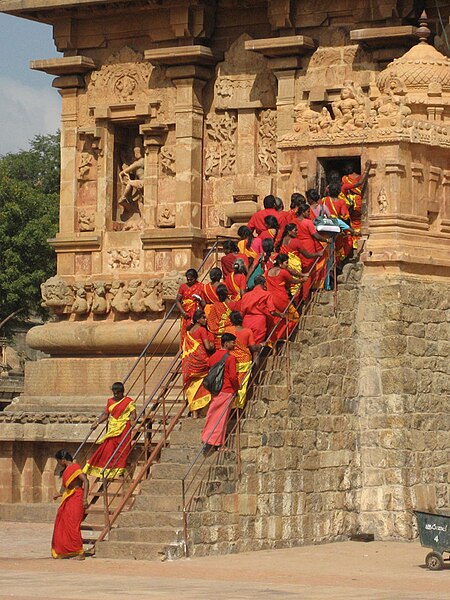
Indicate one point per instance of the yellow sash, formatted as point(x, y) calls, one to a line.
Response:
point(116, 426)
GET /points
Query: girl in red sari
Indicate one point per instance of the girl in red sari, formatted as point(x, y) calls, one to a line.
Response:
point(258, 310)
point(279, 281)
point(248, 245)
point(245, 352)
point(198, 344)
point(338, 209)
point(210, 289)
point(66, 540)
point(218, 314)
point(236, 282)
point(189, 298)
point(120, 412)
point(272, 229)
point(310, 246)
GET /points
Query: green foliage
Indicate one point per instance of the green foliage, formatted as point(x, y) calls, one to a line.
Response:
point(29, 200)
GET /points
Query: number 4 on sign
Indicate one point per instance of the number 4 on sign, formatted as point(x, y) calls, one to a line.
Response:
point(436, 539)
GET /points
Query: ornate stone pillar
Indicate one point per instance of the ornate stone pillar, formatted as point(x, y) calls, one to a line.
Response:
point(153, 140)
point(188, 67)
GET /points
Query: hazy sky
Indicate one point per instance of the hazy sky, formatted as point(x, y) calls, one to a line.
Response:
point(28, 103)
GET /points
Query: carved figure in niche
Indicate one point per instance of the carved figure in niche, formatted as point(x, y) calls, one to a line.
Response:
point(166, 217)
point(167, 161)
point(267, 154)
point(171, 284)
point(133, 190)
point(134, 225)
point(325, 121)
point(100, 304)
point(86, 220)
point(391, 105)
point(382, 201)
point(85, 165)
point(136, 301)
point(306, 119)
point(153, 295)
point(81, 305)
point(120, 297)
point(55, 292)
point(349, 106)
point(220, 155)
point(123, 259)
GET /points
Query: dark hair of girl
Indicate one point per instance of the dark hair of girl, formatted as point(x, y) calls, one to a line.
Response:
point(268, 248)
point(64, 455)
point(281, 258)
point(245, 233)
point(236, 317)
point(215, 274)
point(289, 227)
point(296, 200)
point(199, 313)
point(334, 189)
point(313, 195)
point(230, 246)
point(222, 292)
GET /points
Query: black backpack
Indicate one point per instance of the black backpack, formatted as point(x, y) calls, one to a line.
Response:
point(213, 382)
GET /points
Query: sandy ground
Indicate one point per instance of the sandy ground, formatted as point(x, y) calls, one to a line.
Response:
point(350, 570)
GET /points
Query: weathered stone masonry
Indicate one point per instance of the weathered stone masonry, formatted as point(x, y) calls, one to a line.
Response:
point(361, 439)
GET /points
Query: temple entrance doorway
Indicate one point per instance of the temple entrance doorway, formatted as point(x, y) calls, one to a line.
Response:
point(334, 164)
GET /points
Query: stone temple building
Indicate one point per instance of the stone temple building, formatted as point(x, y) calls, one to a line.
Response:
point(178, 117)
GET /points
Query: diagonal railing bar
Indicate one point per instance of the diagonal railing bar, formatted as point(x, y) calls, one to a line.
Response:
point(260, 363)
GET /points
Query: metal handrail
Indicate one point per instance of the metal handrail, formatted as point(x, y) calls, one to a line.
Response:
point(149, 412)
point(255, 373)
point(143, 354)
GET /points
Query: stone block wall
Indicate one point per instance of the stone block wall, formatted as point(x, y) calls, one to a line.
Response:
point(349, 433)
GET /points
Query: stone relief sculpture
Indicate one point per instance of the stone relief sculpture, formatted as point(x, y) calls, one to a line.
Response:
point(153, 295)
point(136, 301)
point(306, 120)
point(81, 305)
point(166, 217)
point(133, 187)
point(123, 77)
point(267, 154)
point(167, 161)
point(123, 259)
point(86, 160)
point(120, 297)
point(349, 110)
point(170, 285)
point(56, 293)
point(220, 156)
point(86, 220)
point(391, 108)
point(100, 304)
point(382, 201)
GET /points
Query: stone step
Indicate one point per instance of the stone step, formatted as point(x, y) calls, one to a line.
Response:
point(174, 471)
point(152, 535)
point(35, 513)
point(149, 518)
point(160, 487)
point(186, 438)
point(163, 503)
point(178, 455)
point(137, 550)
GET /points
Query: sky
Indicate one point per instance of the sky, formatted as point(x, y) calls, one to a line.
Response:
point(28, 103)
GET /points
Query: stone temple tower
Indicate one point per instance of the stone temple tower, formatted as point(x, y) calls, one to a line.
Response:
point(178, 117)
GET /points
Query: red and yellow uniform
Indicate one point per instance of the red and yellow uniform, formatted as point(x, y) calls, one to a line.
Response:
point(66, 540)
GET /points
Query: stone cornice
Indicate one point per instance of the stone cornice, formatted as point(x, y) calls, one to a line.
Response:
point(76, 242)
point(183, 55)
point(282, 46)
point(181, 237)
point(46, 418)
point(68, 65)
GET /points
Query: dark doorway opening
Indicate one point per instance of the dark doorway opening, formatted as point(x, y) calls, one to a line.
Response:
point(326, 166)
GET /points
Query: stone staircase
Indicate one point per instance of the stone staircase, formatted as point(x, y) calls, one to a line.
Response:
point(153, 528)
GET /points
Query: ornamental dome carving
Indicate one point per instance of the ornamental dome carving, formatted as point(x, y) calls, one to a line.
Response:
point(417, 69)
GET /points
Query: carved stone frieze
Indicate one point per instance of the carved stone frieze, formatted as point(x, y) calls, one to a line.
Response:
point(45, 418)
point(267, 135)
point(81, 304)
point(56, 293)
point(123, 259)
point(220, 154)
point(85, 165)
point(153, 295)
point(120, 297)
point(382, 199)
point(100, 303)
point(170, 284)
point(122, 78)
